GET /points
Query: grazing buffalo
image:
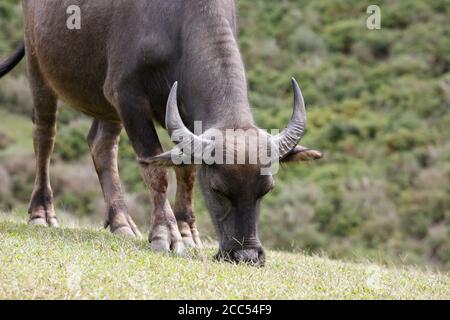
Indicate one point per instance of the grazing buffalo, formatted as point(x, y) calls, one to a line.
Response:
point(119, 68)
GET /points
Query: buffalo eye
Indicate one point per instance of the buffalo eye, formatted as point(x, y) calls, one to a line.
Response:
point(219, 192)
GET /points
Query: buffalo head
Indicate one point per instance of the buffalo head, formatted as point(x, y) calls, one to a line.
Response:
point(234, 174)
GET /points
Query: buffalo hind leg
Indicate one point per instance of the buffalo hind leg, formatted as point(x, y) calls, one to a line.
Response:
point(103, 140)
point(184, 206)
point(133, 108)
point(41, 207)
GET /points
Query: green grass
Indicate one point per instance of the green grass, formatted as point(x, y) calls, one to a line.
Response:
point(41, 263)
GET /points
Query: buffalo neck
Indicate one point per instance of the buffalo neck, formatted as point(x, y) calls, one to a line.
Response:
point(213, 81)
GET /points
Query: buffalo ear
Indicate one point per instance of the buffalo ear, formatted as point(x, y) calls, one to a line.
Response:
point(302, 154)
point(162, 160)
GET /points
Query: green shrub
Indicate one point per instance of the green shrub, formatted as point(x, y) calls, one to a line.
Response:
point(71, 141)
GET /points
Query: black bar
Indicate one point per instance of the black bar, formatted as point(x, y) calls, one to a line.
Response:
point(221, 309)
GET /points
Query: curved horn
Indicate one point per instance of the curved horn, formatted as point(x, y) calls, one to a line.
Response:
point(175, 125)
point(289, 138)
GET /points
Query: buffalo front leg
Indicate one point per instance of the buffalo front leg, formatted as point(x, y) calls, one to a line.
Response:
point(103, 140)
point(134, 112)
point(164, 235)
point(184, 206)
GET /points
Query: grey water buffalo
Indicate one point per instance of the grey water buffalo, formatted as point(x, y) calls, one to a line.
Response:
point(120, 68)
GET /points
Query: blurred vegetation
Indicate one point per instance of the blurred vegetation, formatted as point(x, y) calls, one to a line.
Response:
point(378, 105)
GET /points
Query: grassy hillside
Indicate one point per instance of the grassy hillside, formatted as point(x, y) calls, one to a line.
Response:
point(41, 263)
point(378, 106)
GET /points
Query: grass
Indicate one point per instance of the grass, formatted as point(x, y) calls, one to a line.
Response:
point(43, 263)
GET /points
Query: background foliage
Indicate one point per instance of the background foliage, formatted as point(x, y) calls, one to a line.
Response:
point(378, 104)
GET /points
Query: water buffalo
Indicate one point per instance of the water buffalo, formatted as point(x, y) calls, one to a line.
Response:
point(119, 68)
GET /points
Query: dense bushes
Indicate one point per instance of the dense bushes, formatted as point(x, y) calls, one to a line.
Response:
point(71, 141)
point(378, 104)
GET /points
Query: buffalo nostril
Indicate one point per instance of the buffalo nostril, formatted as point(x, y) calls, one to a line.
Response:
point(254, 257)
point(249, 256)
